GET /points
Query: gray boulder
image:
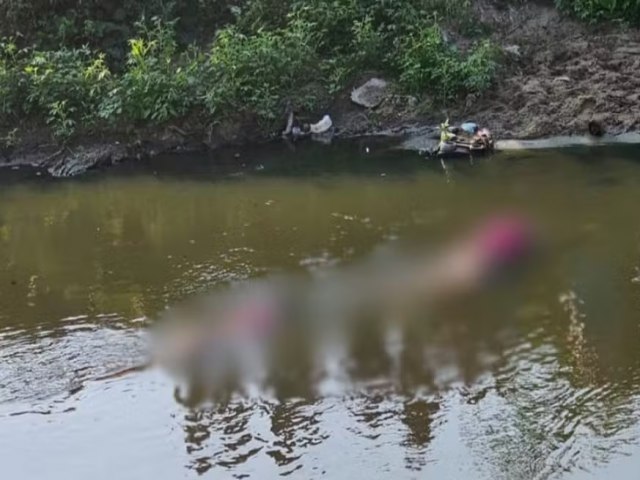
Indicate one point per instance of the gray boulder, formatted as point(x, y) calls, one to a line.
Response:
point(371, 94)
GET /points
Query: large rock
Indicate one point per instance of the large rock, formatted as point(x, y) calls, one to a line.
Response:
point(371, 94)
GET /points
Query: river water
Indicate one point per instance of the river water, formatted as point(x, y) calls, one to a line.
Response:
point(540, 381)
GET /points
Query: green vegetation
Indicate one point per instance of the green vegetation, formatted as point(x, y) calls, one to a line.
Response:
point(253, 74)
point(627, 11)
point(158, 83)
point(100, 65)
point(426, 59)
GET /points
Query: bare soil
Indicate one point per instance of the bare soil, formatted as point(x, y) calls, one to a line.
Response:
point(566, 74)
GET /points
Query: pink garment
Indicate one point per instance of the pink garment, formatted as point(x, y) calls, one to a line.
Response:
point(257, 317)
point(505, 240)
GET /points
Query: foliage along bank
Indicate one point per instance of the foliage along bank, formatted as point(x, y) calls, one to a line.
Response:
point(257, 56)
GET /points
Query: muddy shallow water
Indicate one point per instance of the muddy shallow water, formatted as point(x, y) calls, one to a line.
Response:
point(539, 380)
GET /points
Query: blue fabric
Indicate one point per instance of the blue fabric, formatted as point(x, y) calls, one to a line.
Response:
point(469, 127)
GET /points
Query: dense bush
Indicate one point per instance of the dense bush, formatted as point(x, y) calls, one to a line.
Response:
point(268, 54)
point(427, 61)
point(256, 73)
point(11, 91)
point(336, 21)
point(158, 83)
point(108, 24)
point(594, 10)
point(67, 86)
point(72, 87)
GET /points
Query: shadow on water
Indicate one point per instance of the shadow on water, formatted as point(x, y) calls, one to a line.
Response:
point(367, 157)
point(362, 158)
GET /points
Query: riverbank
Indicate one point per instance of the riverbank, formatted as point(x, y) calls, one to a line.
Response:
point(557, 75)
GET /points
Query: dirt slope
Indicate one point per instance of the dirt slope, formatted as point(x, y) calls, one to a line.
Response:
point(565, 75)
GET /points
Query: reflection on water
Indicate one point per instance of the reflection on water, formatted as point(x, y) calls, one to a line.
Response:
point(538, 380)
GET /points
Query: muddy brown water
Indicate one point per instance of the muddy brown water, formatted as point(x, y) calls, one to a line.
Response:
point(540, 381)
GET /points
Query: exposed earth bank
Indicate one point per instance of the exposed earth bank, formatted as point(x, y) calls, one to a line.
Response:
point(558, 75)
point(563, 74)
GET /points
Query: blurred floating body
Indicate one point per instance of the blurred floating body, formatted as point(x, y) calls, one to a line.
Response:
point(229, 335)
